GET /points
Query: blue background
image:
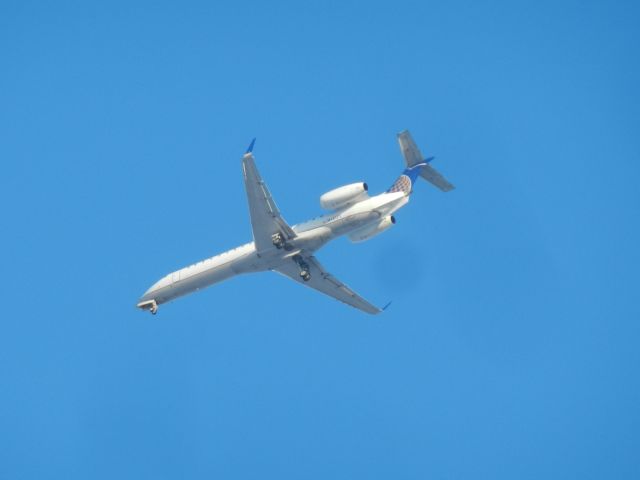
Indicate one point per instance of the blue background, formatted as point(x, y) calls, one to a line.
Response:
point(511, 348)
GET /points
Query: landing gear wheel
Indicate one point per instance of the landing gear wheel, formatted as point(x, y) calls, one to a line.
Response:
point(304, 267)
point(278, 240)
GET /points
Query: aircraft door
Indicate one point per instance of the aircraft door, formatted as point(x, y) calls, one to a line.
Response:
point(175, 277)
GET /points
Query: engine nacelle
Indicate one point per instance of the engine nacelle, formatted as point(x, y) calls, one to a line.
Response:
point(372, 230)
point(344, 196)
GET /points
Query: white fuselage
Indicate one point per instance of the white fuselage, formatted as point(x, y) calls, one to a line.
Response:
point(310, 236)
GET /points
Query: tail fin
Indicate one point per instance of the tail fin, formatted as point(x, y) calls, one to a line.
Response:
point(413, 158)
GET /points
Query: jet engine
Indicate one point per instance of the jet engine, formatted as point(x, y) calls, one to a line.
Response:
point(370, 231)
point(344, 196)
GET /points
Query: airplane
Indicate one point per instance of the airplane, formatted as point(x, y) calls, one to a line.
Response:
point(290, 250)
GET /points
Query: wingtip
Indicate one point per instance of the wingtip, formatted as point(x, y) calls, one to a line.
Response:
point(250, 149)
point(386, 306)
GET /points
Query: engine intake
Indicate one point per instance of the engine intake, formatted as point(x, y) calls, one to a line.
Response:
point(344, 196)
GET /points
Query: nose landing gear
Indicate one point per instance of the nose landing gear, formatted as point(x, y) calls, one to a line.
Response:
point(150, 305)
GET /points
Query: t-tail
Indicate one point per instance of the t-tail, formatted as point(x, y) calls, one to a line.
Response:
point(417, 166)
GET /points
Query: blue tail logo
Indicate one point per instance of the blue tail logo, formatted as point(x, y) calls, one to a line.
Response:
point(404, 183)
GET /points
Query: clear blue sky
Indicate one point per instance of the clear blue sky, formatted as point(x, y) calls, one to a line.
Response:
point(511, 349)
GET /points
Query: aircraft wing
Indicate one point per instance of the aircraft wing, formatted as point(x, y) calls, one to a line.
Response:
point(326, 283)
point(265, 216)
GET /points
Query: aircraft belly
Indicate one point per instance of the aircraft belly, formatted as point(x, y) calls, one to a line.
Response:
point(311, 240)
point(195, 282)
point(188, 280)
point(215, 275)
point(353, 222)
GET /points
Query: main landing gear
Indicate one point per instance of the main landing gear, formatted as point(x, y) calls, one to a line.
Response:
point(280, 243)
point(304, 268)
point(278, 240)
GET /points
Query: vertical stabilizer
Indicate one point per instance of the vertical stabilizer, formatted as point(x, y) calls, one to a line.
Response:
point(410, 151)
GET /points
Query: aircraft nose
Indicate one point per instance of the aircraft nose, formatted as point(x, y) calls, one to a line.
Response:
point(146, 297)
point(150, 294)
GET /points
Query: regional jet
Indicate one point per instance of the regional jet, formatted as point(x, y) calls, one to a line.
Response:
point(290, 250)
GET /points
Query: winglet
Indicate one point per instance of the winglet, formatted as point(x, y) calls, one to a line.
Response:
point(386, 306)
point(427, 160)
point(250, 149)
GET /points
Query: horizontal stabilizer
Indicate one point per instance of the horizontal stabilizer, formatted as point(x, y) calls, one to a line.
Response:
point(434, 177)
